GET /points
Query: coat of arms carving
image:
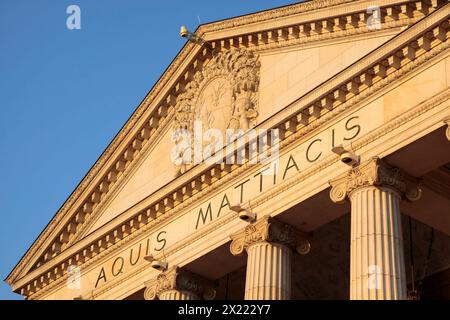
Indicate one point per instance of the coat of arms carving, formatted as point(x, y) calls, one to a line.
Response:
point(223, 95)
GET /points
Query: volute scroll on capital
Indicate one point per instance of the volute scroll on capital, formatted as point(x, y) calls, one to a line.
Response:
point(374, 172)
point(447, 130)
point(267, 229)
point(178, 279)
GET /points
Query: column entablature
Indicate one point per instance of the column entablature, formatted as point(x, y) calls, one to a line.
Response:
point(374, 172)
point(187, 284)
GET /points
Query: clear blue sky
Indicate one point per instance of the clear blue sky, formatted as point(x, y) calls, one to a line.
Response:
point(64, 94)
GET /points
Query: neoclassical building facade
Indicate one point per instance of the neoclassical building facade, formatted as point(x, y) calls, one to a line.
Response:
point(349, 100)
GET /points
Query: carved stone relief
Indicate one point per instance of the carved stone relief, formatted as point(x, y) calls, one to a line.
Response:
point(223, 95)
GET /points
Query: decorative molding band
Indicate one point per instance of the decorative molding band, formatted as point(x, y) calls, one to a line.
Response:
point(268, 229)
point(373, 172)
point(427, 44)
point(308, 9)
point(272, 14)
point(180, 280)
point(290, 183)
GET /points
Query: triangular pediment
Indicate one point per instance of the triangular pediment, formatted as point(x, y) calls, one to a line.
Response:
point(300, 70)
point(258, 63)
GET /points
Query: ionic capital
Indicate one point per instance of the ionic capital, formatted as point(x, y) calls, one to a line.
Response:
point(447, 130)
point(178, 279)
point(374, 172)
point(267, 229)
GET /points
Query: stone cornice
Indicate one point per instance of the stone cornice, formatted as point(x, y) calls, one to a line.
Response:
point(178, 279)
point(332, 23)
point(377, 173)
point(425, 48)
point(438, 181)
point(268, 229)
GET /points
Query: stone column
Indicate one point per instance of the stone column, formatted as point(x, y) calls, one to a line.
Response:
point(269, 245)
point(178, 284)
point(377, 266)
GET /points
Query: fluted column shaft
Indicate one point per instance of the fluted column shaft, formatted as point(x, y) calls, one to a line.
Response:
point(377, 266)
point(268, 274)
point(377, 263)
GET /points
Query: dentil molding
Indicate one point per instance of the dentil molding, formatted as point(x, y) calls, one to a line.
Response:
point(447, 130)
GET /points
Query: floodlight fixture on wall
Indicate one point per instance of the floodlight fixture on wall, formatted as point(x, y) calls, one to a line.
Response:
point(347, 156)
point(244, 213)
point(156, 264)
point(194, 38)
